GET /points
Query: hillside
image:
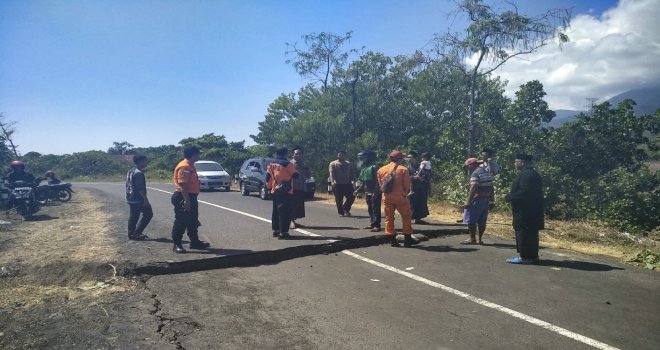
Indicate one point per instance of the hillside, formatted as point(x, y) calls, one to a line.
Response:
point(647, 99)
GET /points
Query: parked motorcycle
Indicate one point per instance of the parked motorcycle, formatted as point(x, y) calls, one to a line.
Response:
point(47, 193)
point(20, 196)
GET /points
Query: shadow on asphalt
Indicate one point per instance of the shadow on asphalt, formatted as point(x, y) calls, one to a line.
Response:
point(577, 265)
point(502, 245)
point(314, 238)
point(321, 228)
point(445, 249)
point(219, 251)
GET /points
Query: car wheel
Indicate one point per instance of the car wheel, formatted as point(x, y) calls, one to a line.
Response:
point(263, 192)
point(244, 190)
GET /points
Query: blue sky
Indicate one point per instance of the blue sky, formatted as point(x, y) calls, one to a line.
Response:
point(78, 75)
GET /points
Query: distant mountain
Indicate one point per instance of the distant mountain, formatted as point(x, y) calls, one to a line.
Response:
point(563, 116)
point(647, 99)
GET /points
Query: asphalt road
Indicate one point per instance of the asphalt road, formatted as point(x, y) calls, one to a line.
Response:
point(439, 295)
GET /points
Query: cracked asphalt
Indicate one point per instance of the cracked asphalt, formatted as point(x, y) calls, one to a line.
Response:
point(326, 299)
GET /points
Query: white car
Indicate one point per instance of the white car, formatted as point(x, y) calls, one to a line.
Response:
point(212, 175)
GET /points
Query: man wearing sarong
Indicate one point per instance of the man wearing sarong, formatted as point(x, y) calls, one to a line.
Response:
point(526, 198)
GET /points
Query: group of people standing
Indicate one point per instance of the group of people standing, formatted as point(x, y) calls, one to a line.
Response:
point(394, 186)
point(408, 193)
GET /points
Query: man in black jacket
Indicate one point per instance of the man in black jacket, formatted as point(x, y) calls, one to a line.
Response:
point(526, 198)
point(136, 196)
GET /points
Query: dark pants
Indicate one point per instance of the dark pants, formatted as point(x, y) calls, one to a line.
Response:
point(341, 191)
point(527, 243)
point(419, 201)
point(281, 216)
point(297, 204)
point(135, 210)
point(373, 205)
point(185, 221)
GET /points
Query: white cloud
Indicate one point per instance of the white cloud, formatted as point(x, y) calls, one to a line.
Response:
point(605, 56)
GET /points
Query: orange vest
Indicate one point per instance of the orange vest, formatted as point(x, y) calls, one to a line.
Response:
point(185, 173)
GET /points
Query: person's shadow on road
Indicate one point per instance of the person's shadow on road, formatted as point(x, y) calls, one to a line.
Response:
point(219, 251)
point(445, 249)
point(577, 265)
point(322, 228)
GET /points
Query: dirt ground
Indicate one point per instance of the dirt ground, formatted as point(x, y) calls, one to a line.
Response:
point(57, 276)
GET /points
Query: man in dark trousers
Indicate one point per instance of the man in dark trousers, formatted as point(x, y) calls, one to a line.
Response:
point(136, 196)
point(369, 185)
point(526, 198)
point(184, 199)
point(279, 176)
point(341, 177)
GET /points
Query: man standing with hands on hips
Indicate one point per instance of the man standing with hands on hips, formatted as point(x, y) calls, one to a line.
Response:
point(184, 199)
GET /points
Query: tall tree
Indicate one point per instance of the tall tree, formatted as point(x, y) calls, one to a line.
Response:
point(120, 148)
point(492, 39)
point(322, 53)
point(7, 130)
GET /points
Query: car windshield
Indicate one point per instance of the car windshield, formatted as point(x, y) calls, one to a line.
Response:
point(208, 167)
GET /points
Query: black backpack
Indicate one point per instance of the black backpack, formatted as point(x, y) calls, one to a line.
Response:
point(388, 181)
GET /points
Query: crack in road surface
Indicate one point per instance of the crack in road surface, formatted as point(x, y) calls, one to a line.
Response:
point(266, 257)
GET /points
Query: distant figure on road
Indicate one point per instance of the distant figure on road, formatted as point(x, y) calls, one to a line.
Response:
point(184, 199)
point(479, 200)
point(299, 187)
point(279, 177)
point(369, 185)
point(526, 198)
point(342, 175)
point(395, 199)
point(136, 196)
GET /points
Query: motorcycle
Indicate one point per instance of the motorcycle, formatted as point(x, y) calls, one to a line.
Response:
point(20, 195)
point(47, 193)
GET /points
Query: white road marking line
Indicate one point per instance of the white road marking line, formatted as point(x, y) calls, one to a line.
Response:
point(519, 315)
point(506, 310)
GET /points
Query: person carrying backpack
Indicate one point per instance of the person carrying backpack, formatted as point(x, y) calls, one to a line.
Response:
point(394, 182)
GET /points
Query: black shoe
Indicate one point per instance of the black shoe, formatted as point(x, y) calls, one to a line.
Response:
point(199, 245)
point(394, 242)
point(348, 213)
point(276, 233)
point(408, 241)
point(421, 222)
point(284, 235)
point(138, 237)
point(178, 249)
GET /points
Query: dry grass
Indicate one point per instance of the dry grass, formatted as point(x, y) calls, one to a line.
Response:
point(51, 259)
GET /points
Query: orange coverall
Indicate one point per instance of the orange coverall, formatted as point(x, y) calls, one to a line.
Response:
point(396, 200)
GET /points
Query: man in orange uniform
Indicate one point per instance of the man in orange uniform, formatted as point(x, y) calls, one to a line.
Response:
point(185, 203)
point(396, 200)
point(279, 176)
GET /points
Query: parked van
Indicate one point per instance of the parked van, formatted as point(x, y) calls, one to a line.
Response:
point(212, 175)
point(252, 178)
